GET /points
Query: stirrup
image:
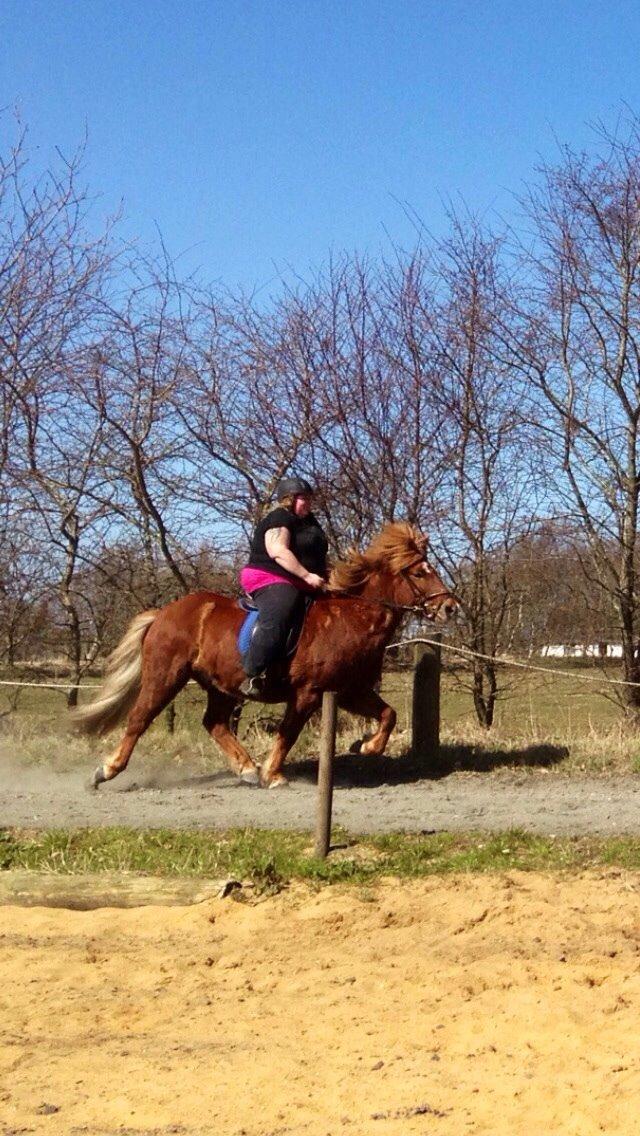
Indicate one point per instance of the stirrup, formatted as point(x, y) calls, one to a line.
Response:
point(253, 687)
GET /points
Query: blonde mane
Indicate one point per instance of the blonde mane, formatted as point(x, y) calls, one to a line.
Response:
point(397, 547)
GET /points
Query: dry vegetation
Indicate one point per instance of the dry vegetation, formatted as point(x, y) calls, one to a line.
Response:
point(564, 724)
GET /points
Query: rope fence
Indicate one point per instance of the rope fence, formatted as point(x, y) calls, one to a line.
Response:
point(53, 685)
point(496, 660)
point(505, 661)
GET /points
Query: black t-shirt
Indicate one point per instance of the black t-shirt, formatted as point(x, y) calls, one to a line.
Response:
point(306, 540)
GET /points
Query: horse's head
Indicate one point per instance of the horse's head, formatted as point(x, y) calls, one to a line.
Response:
point(395, 569)
point(419, 585)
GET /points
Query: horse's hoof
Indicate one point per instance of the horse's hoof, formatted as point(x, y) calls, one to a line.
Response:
point(278, 782)
point(97, 778)
point(249, 776)
point(365, 747)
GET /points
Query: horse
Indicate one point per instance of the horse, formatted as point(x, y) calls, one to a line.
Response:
point(341, 648)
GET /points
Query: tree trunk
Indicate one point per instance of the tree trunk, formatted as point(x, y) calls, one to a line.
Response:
point(485, 686)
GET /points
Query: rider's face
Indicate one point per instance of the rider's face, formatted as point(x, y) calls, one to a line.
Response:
point(302, 504)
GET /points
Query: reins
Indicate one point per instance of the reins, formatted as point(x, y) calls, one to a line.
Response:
point(344, 595)
point(417, 608)
point(421, 607)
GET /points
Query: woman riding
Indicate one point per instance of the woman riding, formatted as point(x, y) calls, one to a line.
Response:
point(287, 559)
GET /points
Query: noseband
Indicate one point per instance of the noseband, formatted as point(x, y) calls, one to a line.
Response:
point(423, 600)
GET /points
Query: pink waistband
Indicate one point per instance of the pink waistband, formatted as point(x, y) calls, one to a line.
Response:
point(253, 578)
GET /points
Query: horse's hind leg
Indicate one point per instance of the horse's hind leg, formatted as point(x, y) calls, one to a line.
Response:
point(154, 696)
point(216, 721)
point(371, 705)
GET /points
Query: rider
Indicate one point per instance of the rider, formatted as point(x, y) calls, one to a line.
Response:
point(287, 558)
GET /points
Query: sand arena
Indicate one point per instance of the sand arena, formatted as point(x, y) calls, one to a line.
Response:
point(500, 1004)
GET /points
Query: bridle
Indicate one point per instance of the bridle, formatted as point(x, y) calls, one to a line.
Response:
point(418, 595)
point(418, 608)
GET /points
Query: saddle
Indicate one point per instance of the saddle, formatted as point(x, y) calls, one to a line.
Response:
point(251, 618)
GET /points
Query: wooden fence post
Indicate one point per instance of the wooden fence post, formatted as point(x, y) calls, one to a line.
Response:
point(325, 772)
point(170, 718)
point(425, 739)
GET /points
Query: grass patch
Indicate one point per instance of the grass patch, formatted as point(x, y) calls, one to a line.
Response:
point(270, 859)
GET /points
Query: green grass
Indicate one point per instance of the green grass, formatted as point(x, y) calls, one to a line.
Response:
point(568, 704)
point(270, 859)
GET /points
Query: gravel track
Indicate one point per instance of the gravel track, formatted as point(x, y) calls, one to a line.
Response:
point(382, 796)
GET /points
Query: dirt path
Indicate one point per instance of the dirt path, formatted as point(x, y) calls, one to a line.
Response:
point(543, 802)
point(499, 1005)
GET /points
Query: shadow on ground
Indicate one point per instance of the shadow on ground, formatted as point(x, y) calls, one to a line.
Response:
point(354, 770)
point(481, 759)
point(358, 771)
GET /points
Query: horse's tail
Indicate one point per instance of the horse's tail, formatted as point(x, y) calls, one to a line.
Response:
point(122, 682)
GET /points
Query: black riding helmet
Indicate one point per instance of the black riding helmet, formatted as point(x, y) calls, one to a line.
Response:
point(291, 486)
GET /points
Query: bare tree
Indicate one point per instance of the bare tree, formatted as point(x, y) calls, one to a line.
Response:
point(372, 331)
point(558, 599)
point(250, 406)
point(581, 346)
point(52, 273)
point(24, 584)
point(134, 380)
point(487, 500)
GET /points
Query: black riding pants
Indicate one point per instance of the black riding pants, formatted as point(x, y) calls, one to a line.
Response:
point(279, 605)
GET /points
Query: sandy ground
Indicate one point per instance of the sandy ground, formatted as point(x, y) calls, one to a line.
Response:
point(501, 1005)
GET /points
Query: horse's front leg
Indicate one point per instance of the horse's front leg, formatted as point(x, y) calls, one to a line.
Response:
point(370, 705)
point(299, 710)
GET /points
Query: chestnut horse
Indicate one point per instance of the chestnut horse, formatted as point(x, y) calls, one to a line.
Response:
point(341, 648)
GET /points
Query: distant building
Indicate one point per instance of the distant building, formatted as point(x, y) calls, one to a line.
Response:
point(582, 651)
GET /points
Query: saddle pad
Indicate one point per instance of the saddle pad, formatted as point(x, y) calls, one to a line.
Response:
point(246, 631)
point(251, 618)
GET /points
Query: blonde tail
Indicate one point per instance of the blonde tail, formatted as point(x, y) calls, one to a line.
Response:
point(122, 682)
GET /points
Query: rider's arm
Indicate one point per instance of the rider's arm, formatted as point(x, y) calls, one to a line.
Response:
point(277, 542)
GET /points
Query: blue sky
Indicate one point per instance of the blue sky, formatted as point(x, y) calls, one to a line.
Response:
point(260, 136)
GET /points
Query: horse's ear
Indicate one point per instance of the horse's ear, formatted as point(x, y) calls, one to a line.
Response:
point(422, 542)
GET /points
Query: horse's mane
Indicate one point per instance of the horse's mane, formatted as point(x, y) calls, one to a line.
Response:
point(395, 548)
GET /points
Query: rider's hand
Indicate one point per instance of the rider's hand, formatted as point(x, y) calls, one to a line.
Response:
point(314, 581)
